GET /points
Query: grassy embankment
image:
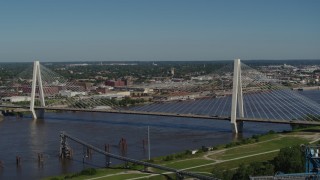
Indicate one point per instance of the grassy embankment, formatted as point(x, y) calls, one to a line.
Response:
point(221, 158)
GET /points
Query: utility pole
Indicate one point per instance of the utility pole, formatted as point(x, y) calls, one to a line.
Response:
point(149, 143)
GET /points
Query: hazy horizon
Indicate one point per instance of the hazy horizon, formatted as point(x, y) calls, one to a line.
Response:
point(150, 61)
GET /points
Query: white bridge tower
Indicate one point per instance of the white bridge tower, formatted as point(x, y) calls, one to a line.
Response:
point(37, 78)
point(237, 98)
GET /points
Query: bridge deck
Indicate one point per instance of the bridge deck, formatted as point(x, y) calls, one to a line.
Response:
point(168, 114)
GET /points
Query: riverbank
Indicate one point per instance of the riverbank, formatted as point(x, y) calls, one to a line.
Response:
point(210, 161)
point(306, 88)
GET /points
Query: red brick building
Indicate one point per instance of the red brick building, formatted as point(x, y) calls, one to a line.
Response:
point(116, 83)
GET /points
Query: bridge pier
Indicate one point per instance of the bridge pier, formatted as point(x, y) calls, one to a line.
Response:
point(39, 114)
point(239, 125)
point(1, 115)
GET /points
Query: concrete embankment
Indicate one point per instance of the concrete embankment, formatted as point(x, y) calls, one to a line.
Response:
point(12, 112)
point(307, 88)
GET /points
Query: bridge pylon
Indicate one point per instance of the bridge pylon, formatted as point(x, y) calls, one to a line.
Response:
point(37, 78)
point(237, 98)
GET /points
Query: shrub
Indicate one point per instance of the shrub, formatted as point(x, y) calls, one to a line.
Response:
point(168, 158)
point(271, 132)
point(89, 171)
point(150, 161)
point(204, 149)
point(232, 144)
point(214, 148)
point(188, 152)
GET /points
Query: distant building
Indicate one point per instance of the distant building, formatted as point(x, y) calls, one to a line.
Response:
point(16, 99)
point(113, 95)
point(68, 93)
point(75, 65)
point(100, 77)
point(104, 89)
point(75, 88)
point(85, 85)
point(180, 96)
point(102, 108)
point(285, 66)
point(172, 71)
point(48, 90)
point(202, 78)
point(128, 80)
point(116, 83)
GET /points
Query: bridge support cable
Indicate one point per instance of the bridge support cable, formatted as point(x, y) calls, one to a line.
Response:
point(281, 100)
point(199, 105)
point(267, 106)
point(254, 96)
point(256, 100)
point(193, 107)
point(266, 99)
point(213, 106)
point(175, 107)
point(272, 100)
point(64, 136)
point(246, 81)
point(205, 110)
point(222, 90)
point(219, 102)
point(293, 109)
point(258, 80)
point(53, 80)
point(311, 107)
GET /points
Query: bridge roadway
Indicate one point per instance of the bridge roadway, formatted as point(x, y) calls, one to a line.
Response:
point(169, 114)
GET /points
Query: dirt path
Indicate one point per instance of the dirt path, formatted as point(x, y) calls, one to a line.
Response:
point(206, 156)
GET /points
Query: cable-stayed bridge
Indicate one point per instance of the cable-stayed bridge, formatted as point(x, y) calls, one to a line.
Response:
point(236, 93)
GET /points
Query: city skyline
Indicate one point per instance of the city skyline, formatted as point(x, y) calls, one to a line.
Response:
point(158, 30)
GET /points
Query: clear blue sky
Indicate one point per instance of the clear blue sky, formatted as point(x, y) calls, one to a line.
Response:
point(110, 30)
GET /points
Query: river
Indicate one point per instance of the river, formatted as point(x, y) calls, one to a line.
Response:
point(26, 138)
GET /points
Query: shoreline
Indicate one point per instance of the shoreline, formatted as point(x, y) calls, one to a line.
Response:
point(306, 88)
point(207, 158)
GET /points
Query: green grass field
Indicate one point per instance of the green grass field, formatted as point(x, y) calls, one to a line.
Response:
point(122, 176)
point(218, 161)
point(188, 163)
point(261, 147)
